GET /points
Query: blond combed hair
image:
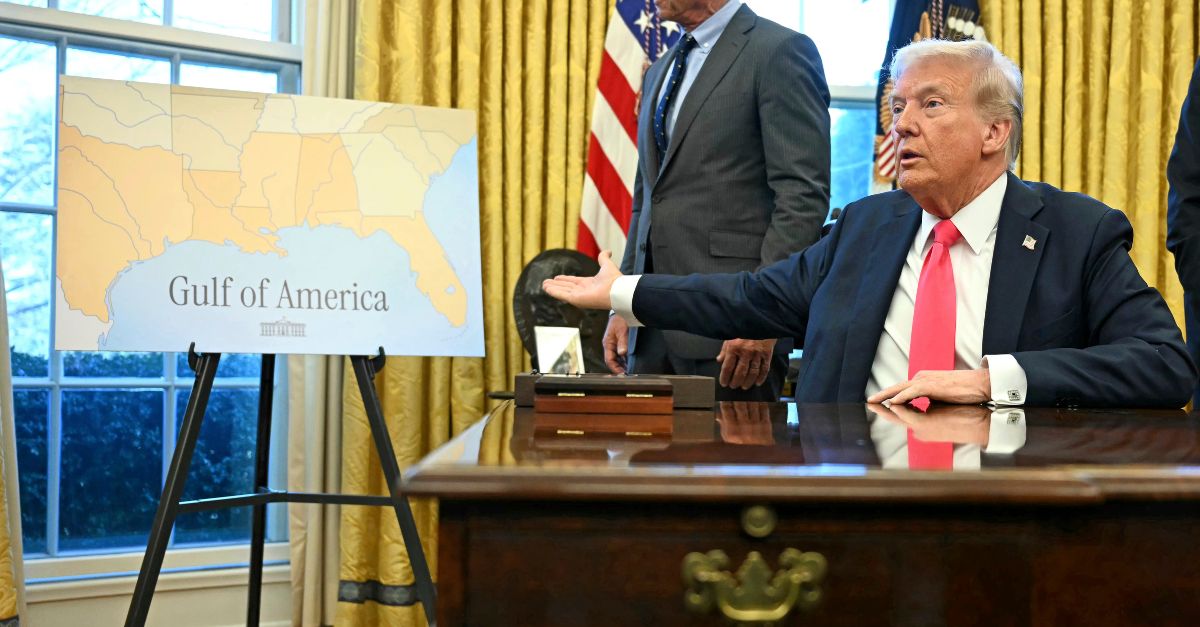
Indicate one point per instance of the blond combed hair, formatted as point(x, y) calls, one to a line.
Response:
point(999, 88)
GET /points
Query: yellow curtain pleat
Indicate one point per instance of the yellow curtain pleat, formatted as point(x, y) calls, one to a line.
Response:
point(1096, 86)
point(1031, 60)
point(12, 589)
point(1104, 83)
point(528, 69)
point(1074, 96)
point(1052, 93)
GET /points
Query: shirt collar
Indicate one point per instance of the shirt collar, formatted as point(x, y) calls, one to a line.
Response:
point(709, 31)
point(975, 221)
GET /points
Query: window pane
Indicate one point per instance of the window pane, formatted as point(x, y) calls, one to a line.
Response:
point(254, 19)
point(117, 66)
point(32, 409)
point(111, 467)
point(223, 465)
point(27, 79)
point(150, 11)
point(853, 141)
point(852, 37)
point(232, 365)
point(25, 245)
point(107, 364)
point(28, 3)
point(221, 77)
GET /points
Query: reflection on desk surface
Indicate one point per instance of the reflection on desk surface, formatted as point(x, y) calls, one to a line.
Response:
point(850, 436)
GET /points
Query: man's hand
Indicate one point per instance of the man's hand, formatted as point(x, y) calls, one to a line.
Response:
point(616, 339)
point(586, 292)
point(745, 363)
point(745, 422)
point(965, 387)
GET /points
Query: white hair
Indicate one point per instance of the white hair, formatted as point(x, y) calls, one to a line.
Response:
point(999, 89)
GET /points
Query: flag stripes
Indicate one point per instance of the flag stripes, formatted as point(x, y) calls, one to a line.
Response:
point(635, 38)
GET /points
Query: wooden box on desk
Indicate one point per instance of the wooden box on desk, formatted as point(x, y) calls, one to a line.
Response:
point(687, 392)
point(602, 394)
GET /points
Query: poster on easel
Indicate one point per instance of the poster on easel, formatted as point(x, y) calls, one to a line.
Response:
point(264, 223)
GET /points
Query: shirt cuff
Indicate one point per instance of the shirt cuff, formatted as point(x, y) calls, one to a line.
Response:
point(1007, 431)
point(1009, 385)
point(621, 295)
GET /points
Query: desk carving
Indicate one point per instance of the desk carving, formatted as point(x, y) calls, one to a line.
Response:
point(755, 595)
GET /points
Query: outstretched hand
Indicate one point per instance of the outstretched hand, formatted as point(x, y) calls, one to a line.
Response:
point(586, 292)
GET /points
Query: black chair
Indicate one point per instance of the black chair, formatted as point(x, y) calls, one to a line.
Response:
point(532, 307)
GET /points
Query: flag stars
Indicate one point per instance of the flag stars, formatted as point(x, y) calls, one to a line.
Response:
point(645, 21)
point(670, 28)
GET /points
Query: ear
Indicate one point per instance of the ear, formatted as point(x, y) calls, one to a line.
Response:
point(995, 136)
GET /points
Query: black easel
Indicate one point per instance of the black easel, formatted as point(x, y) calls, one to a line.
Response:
point(169, 506)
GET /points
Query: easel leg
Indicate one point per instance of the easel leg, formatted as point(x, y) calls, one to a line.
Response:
point(364, 372)
point(258, 533)
point(168, 504)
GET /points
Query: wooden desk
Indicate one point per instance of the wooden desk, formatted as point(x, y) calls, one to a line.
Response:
point(1092, 521)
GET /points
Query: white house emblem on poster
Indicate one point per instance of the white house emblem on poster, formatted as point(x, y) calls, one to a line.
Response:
point(262, 223)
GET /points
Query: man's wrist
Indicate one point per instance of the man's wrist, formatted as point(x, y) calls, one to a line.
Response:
point(1009, 385)
point(621, 297)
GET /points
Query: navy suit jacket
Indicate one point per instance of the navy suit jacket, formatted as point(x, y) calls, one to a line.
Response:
point(1183, 211)
point(1183, 197)
point(1073, 311)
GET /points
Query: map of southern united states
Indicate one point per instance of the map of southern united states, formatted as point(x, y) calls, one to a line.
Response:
point(143, 167)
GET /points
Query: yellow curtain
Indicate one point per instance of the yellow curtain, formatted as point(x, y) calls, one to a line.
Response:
point(1104, 83)
point(12, 571)
point(529, 70)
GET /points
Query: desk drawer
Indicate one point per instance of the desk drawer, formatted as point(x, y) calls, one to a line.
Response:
point(564, 564)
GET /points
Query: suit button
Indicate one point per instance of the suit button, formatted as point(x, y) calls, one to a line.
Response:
point(656, 199)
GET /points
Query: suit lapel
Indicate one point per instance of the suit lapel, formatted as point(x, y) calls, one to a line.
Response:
point(724, 53)
point(1014, 266)
point(646, 148)
point(892, 240)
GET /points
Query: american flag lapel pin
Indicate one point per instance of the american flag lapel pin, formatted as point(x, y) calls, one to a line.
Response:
point(1029, 242)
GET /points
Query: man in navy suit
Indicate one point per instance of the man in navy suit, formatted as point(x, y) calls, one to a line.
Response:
point(1049, 307)
point(1183, 212)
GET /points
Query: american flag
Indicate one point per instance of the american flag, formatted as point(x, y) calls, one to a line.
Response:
point(634, 40)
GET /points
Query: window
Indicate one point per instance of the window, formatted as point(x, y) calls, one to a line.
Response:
point(852, 65)
point(95, 431)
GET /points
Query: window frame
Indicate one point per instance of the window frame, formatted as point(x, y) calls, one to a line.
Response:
point(65, 30)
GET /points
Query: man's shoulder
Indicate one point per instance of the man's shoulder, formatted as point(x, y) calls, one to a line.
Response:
point(870, 211)
point(770, 35)
point(1070, 208)
point(876, 203)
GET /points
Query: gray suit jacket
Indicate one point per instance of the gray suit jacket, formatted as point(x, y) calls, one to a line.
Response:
point(745, 181)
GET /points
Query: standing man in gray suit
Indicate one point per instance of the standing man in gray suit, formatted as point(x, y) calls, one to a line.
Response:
point(733, 174)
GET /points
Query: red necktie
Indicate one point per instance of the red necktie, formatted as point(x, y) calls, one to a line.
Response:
point(932, 345)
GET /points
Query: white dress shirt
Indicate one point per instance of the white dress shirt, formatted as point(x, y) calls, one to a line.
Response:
point(971, 258)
